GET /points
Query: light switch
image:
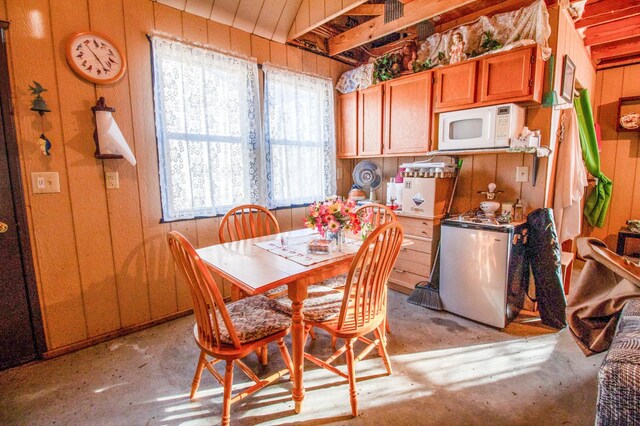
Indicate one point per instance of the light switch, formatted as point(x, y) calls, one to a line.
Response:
point(45, 182)
point(112, 180)
point(522, 174)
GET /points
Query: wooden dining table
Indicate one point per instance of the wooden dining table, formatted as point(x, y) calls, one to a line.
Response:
point(256, 270)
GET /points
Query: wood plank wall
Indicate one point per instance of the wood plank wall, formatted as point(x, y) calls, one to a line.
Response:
point(101, 258)
point(619, 154)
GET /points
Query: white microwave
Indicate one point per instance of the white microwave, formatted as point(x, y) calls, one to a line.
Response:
point(486, 127)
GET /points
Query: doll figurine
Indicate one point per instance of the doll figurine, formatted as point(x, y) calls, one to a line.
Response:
point(409, 55)
point(456, 53)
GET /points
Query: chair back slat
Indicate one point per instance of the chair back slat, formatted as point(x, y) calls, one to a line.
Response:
point(376, 214)
point(365, 292)
point(247, 221)
point(207, 300)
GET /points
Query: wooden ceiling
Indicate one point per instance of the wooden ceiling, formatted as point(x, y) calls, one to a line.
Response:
point(611, 30)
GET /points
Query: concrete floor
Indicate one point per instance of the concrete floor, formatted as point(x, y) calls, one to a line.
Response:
point(447, 370)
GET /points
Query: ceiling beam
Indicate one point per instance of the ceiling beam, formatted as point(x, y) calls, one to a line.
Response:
point(605, 7)
point(367, 10)
point(615, 50)
point(612, 31)
point(607, 17)
point(414, 12)
point(629, 60)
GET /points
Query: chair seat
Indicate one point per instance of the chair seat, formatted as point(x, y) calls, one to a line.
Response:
point(276, 292)
point(338, 281)
point(253, 319)
point(322, 303)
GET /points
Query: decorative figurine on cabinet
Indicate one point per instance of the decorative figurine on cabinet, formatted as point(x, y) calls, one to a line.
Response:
point(456, 52)
point(409, 55)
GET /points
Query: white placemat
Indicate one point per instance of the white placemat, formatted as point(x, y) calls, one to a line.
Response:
point(296, 249)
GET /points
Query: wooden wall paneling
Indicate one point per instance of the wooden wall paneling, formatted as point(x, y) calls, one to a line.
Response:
point(323, 66)
point(139, 21)
point(194, 28)
point(199, 7)
point(294, 58)
point(178, 4)
point(331, 7)
point(302, 21)
point(533, 197)
point(506, 176)
point(219, 35)
point(285, 22)
point(309, 63)
point(91, 220)
point(224, 11)
point(55, 248)
point(484, 172)
point(268, 18)
point(260, 49)
point(247, 14)
point(462, 198)
point(284, 219)
point(278, 53)
point(316, 10)
point(240, 41)
point(631, 88)
point(107, 16)
point(297, 217)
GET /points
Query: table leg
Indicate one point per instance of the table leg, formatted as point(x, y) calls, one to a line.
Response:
point(297, 294)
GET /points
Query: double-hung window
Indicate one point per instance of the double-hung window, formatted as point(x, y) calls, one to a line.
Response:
point(208, 129)
point(299, 137)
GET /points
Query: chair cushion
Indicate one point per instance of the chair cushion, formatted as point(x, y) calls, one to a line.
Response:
point(253, 319)
point(275, 292)
point(335, 282)
point(322, 303)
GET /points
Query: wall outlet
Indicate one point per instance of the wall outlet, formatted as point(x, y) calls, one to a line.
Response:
point(45, 182)
point(112, 180)
point(522, 174)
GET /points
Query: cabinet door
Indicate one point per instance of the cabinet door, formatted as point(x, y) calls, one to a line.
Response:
point(507, 76)
point(456, 85)
point(348, 125)
point(407, 114)
point(370, 108)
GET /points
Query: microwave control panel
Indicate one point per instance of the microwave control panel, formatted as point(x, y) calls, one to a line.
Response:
point(502, 122)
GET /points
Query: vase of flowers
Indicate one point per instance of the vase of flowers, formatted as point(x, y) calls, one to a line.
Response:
point(332, 218)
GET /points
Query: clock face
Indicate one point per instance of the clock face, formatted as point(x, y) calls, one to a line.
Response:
point(95, 57)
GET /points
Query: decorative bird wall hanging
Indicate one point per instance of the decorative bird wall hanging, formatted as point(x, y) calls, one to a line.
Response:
point(39, 105)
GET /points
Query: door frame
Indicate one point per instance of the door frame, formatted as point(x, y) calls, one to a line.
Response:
point(15, 178)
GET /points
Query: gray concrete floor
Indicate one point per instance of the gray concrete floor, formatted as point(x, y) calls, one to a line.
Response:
point(447, 370)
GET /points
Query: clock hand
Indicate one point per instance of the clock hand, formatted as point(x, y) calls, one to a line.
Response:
point(96, 56)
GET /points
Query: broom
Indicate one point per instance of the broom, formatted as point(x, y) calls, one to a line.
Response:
point(427, 293)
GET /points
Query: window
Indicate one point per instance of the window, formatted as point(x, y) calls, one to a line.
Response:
point(207, 124)
point(299, 137)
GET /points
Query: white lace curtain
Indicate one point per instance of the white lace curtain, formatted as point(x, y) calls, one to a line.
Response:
point(208, 129)
point(299, 137)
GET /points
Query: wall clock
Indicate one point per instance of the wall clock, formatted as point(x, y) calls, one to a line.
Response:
point(95, 57)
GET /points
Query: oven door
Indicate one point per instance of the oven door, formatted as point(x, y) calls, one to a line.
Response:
point(467, 129)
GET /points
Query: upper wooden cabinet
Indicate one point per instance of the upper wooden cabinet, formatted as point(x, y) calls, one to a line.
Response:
point(456, 85)
point(348, 125)
point(508, 76)
point(370, 110)
point(407, 114)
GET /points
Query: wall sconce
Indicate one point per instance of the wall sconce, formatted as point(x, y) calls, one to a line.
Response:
point(39, 105)
point(110, 143)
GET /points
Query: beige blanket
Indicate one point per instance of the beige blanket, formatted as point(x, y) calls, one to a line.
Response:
point(595, 302)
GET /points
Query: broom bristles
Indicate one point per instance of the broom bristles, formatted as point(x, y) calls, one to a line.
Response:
point(426, 296)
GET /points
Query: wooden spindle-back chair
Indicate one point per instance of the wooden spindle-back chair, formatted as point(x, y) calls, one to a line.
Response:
point(364, 303)
point(376, 214)
point(215, 332)
point(247, 221)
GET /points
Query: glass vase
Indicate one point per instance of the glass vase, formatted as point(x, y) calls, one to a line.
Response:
point(338, 236)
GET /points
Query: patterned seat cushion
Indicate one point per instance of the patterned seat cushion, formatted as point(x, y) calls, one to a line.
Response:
point(322, 304)
point(338, 281)
point(276, 292)
point(253, 319)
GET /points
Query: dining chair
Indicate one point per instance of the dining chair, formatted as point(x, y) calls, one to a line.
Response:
point(228, 332)
point(362, 305)
point(247, 221)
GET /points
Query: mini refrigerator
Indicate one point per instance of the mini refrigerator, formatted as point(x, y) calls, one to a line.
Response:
point(483, 271)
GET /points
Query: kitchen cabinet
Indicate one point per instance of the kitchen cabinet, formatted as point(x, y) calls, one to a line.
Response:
point(348, 125)
point(456, 85)
point(507, 76)
point(407, 114)
point(415, 260)
point(370, 113)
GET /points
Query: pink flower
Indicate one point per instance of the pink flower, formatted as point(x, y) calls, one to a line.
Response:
point(333, 226)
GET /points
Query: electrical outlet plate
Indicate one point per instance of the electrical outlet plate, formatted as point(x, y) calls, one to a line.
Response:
point(112, 180)
point(522, 174)
point(45, 182)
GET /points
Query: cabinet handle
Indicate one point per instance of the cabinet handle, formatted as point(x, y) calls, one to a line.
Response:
point(400, 271)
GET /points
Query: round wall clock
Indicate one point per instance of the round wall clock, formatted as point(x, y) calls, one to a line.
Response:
point(95, 57)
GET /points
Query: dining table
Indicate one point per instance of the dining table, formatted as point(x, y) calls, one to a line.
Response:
point(259, 264)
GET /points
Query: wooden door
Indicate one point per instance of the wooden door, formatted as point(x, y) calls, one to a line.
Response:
point(370, 109)
point(21, 335)
point(348, 125)
point(506, 76)
point(456, 86)
point(407, 114)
